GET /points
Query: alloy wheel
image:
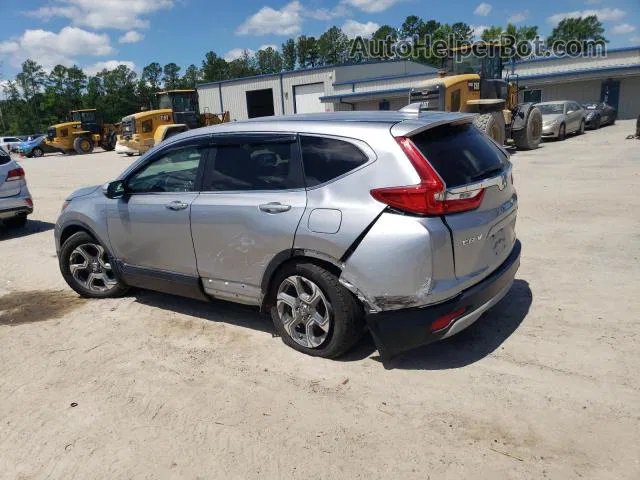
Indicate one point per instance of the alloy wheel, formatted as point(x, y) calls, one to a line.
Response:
point(304, 311)
point(90, 267)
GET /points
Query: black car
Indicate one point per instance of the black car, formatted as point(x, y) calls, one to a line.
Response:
point(599, 114)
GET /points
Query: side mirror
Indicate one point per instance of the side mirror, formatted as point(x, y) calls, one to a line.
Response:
point(115, 189)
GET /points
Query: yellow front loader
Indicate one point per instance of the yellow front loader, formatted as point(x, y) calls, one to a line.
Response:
point(472, 81)
point(85, 130)
point(178, 112)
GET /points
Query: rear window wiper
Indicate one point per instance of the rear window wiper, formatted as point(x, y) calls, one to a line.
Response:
point(487, 174)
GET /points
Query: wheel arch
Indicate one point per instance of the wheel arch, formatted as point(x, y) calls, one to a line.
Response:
point(289, 257)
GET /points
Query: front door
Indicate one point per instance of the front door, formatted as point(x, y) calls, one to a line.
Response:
point(610, 92)
point(252, 200)
point(149, 228)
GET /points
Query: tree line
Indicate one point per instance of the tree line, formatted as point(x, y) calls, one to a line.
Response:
point(35, 99)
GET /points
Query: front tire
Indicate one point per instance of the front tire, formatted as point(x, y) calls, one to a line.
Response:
point(86, 267)
point(313, 313)
point(83, 145)
point(562, 132)
point(581, 131)
point(530, 136)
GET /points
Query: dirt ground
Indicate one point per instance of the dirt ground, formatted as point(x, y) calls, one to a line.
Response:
point(546, 385)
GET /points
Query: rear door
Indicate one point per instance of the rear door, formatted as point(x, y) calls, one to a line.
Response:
point(467, 160)
point(251, 203)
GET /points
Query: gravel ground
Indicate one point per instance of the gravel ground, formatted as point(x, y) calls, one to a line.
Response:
point(546, 385)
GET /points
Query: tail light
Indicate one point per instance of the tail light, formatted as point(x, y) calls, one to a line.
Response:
point(15, 174)
point(430, 196)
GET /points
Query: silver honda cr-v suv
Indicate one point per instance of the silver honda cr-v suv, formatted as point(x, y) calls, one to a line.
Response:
point(396, 221)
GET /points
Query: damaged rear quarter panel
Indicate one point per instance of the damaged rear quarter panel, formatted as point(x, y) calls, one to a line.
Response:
point(402, 262)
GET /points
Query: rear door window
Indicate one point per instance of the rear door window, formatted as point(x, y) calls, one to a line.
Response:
point(326, 159)
point(253, 165)
point(461, 154)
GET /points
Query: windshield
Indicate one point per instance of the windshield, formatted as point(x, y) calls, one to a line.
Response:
point(178, 102)
point(86, 117)
point(551, 108)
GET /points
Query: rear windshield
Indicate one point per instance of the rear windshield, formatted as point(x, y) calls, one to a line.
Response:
point(461, 154)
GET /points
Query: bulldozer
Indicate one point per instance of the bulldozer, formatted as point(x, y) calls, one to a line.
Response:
point(471, 81)
point(177, 112)
point(80, 135)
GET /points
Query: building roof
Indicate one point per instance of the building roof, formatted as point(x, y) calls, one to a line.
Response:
point(367, 94)
point(301, 70)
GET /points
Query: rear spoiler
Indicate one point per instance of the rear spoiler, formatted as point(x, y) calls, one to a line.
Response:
point(425, 120)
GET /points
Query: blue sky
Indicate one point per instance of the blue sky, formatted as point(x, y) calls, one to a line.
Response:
point(98, 33)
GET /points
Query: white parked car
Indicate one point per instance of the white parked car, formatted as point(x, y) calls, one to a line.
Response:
point(7, 142)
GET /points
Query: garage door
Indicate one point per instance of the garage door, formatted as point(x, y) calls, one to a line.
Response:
point(307, 98)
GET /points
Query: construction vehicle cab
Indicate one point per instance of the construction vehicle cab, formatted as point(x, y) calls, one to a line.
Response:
point(472, 81)
point(80, 135)
point(178, 111)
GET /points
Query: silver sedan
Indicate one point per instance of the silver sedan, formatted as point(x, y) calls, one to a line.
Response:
point(561, 118)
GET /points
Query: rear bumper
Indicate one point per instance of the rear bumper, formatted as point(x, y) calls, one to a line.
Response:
point(398, 331)
point(14, 212)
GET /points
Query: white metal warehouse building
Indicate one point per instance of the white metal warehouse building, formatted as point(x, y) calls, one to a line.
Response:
point(385, 85)
point(364, 86)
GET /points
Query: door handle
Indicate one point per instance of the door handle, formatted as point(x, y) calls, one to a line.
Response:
point(176, 205)
point(274, 207)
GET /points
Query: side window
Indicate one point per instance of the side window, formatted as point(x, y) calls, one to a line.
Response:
point(175, 170)
point(64, 132)
point(455, 100)
point(326, 158)
point(147, 126)
point(253, 166)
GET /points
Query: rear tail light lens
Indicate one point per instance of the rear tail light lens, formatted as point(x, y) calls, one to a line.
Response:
point(28, 201)
point(430, 196)
point(15, 174)
point(446, 320)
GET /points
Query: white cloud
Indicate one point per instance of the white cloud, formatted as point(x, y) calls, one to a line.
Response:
point(109, 65)
point(478, 30)
point(324, 14)
point(237, 53)
point(623, 29)
point(483, 9)
point(603, 14)
point(131, 37)
point(371, 6)
point(98, 14)
point(518, 17)
point(287, 21)
point(353, 29)
point(49, 48)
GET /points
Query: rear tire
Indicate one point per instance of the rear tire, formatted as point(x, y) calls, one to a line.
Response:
point(16, 222)
point(530, 136)
point(37, 152)
point(492, 124)
point(345, 318)
point(83, 145)
point(86, 256)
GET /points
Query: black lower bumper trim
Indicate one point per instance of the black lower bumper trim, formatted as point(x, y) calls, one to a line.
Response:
point(398, 331)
